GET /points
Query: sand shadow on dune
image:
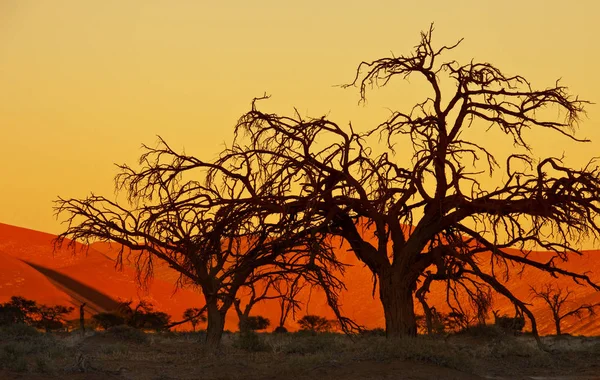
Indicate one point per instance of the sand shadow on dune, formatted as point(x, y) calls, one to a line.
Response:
point(96, 301)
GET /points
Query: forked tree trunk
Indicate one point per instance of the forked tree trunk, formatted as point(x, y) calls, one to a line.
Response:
point(396, 294)
point(215, 325)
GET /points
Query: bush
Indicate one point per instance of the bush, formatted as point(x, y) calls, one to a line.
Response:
point(280, 330)
point(127, 333)
point(254, 323)
point(314, 323)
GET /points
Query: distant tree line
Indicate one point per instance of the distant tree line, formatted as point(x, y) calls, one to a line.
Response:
point(20, 310)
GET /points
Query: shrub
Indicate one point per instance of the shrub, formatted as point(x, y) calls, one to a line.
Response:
point(314, 323)
point(280, 330)
point(256, 322)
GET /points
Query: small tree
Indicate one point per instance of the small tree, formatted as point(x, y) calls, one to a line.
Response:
point(195, 316)
point(52, 317)
point(557, 298)
point(288, 291)
point(253, 298)
point(314, 323)
point(18, 310)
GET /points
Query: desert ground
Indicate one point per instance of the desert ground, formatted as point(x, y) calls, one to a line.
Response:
point(124, 353)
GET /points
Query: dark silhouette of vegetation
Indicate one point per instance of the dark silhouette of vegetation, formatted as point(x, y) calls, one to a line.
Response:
point(276, 200)
point(254, 297)
point(557, 299)
point(442, 221)
point(226, 229)
point(141, 317)
point(287, 291)
point(20, 310)
point(514, 324)
point(52, 317)
point(82, 317)
point(107, 320)
point(315, 324)
point(257, 322)
point(195, 316)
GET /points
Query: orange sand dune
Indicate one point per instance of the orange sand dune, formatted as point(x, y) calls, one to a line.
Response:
point(30, 268)
point(96, 270)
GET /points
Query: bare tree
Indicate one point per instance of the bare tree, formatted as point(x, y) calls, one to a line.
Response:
point(432, 208)
point(288, 291)
point(252, 298)
point(557, 298)
point(221, 225)
point(195, 316)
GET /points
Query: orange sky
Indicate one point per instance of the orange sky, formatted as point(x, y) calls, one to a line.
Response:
point(83, 84)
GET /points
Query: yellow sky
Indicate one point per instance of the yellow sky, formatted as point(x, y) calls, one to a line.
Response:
point(84, 83)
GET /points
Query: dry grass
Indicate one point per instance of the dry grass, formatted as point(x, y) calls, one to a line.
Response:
point(303, 356)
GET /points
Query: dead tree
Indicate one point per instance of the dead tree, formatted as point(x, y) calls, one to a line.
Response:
point(557, 298)
point(288, 291)
point(252, 298)
point(221, 225)
point(426, 204)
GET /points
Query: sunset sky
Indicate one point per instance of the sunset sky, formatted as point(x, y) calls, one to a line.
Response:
point(84, 83)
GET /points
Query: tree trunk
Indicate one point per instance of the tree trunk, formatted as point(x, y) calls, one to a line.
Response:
point(82, 317)
point(242, 316)
point(215, 325)
point(243, 324)
point(557, 324)
point(396, 294)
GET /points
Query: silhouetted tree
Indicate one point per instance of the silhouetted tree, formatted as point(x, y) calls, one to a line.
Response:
point(402, 217)
point(195, 316)
point(256, 322)
point(314, 323)
point(253, 297)
point(18, 310)
point(226, 228)
point(52, 317)
point(557, 298)
point(288, 291)
point(143, 316)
